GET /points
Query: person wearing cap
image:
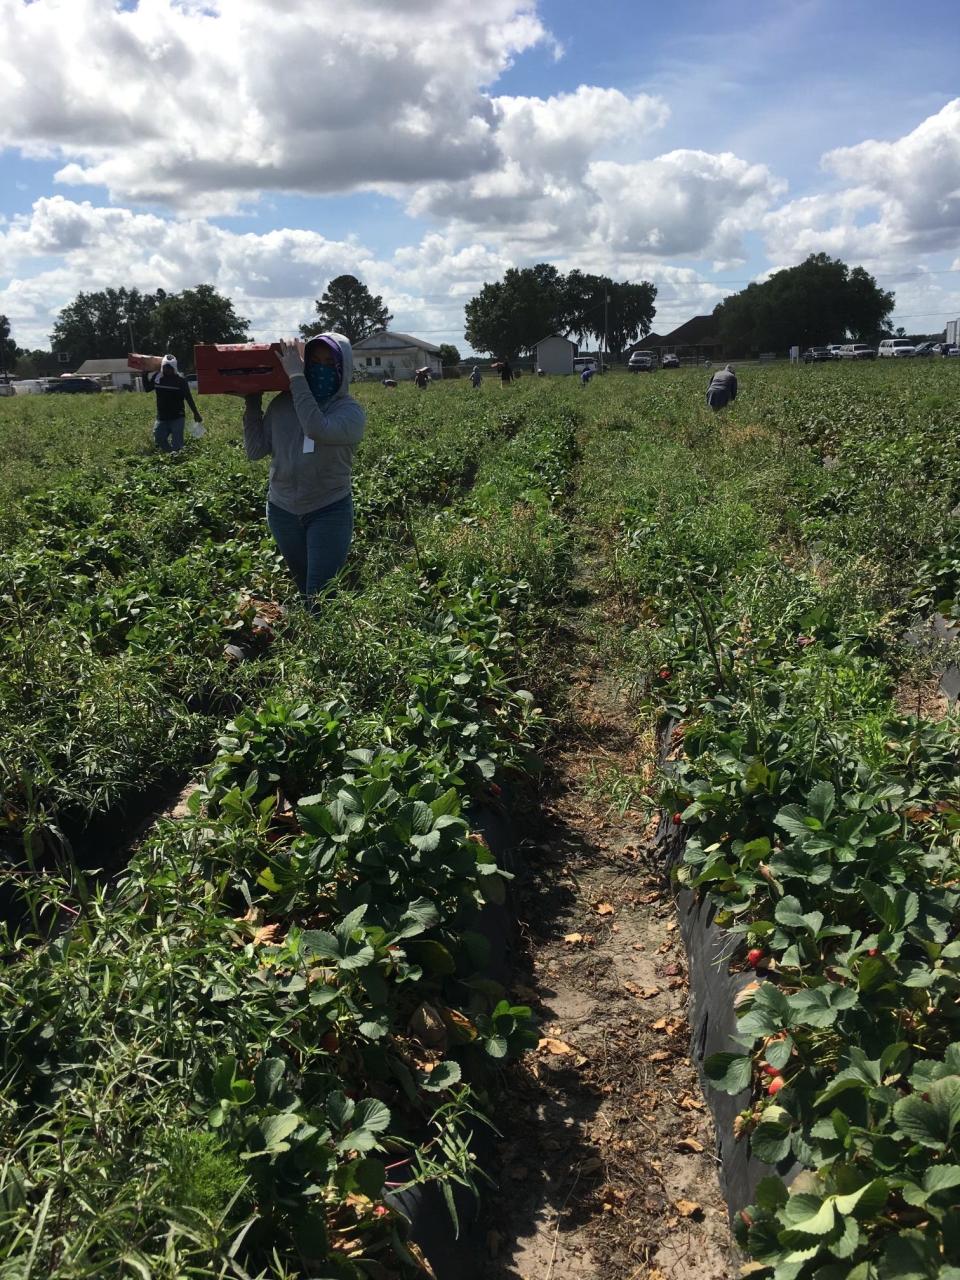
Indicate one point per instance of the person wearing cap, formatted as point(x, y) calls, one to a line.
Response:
point(722, 389)
point(173, 391)
point(310, 433)
point(476, 377)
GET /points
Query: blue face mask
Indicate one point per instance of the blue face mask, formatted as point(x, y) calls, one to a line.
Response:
point(322, 379)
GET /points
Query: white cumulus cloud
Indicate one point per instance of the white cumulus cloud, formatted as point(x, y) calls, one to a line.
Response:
point(199, 106)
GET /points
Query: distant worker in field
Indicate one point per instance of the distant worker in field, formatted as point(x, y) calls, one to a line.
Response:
point(173, 391)
point(506, 373)
point(722, 389)
point(476, 377)
point(586, 375)
point(422, 377)
point(311, 434)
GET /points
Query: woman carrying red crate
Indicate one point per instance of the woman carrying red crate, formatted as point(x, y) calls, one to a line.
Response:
point(311, 434)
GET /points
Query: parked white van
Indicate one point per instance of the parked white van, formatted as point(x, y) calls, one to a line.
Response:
point(895, 347)
point(28, 387)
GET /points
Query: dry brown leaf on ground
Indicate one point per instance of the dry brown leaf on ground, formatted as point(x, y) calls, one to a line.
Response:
point(690, 1144)
point(573, 938)
point(688, 1208)
point(688, 1103)
point(549, 1045)
point(605, 908)
point(265, 935)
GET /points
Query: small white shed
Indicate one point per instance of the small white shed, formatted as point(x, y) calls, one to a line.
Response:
point(554, 354)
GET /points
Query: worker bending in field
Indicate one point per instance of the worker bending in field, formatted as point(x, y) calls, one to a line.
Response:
point(722, 389)
point(310, 433)
point(172, 391)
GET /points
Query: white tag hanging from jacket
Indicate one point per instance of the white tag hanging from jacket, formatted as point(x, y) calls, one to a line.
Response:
point(308, 445)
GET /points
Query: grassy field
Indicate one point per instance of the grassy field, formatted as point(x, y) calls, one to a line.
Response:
point(214, 1063)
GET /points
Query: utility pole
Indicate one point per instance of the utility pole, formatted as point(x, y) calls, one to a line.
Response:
point(606, 304)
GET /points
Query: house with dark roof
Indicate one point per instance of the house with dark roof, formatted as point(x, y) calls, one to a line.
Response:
point(388, 354)
point(695, 339)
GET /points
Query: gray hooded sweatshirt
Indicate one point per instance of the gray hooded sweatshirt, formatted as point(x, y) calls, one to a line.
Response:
point(724, 380)
point(311, 449)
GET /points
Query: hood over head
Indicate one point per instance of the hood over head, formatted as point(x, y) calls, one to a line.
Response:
point(342, 354)
point(169, 362)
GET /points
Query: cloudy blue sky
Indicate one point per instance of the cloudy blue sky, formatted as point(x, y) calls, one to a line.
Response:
point(426, 146)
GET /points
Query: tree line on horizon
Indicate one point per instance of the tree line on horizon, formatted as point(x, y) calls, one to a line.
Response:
point(821, 300)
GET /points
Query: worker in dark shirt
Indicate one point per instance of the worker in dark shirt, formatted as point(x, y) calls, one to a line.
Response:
point(172, 390)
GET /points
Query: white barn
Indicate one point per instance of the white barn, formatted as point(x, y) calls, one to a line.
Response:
point(114, 372)
point(554, 354)
point(395, 355)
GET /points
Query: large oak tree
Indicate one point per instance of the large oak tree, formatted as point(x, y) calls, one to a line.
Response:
point(822, 300)
point(510, 316)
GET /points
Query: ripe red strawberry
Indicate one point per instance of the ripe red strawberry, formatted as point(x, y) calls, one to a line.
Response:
point(775, 1085)
point(754, 957)
point(677, 819)
point(872, 951)
point(770, 1070)
point(664, 673)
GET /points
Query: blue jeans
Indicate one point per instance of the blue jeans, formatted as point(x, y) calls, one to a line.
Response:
point(314, 545)
point(163, 429)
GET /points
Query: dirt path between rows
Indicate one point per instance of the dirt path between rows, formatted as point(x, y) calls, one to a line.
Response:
point(607, 1161)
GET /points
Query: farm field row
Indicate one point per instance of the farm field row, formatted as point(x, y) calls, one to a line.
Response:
point(764, 572)
point(281, 1007)
point(209, 1071)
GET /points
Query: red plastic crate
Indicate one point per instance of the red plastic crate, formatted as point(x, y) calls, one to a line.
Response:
point(142, 363)
point(244, 367)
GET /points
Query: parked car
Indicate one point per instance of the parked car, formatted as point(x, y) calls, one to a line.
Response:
point(924, 349)
point(73, 386)
point(945, 349)
point(584, 362)
point(27, 386)
point(817, 355)
point(641, 362)
point(670, 361)
point(835, 348)
point(857, 351)
point(6, 387)
point(896, 347)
